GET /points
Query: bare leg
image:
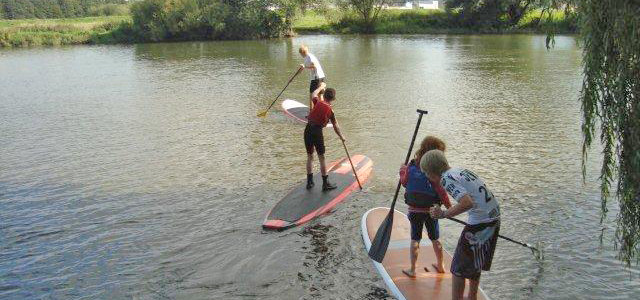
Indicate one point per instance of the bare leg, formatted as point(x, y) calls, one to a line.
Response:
point(437, 249)
point(310, 163)
point(457, 289)
point(323, 166)
point(473, 289)
point(413, 256)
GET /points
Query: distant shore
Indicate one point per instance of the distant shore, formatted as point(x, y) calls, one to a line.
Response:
point(112, 29)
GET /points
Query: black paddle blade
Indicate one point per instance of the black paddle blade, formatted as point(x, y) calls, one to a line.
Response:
point(380, 243)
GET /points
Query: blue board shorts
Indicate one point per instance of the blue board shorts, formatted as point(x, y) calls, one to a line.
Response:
point(423, 219)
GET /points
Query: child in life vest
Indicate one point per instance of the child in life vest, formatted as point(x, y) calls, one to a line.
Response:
point(420, 195)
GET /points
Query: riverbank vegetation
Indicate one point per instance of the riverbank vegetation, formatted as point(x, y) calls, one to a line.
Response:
point(55, 9)
point(181, 20)
point(52, 32)
point(423, 21)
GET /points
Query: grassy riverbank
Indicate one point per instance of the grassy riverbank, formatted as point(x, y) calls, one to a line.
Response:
point(399, 21)
point(117, 29)
point(52, 32)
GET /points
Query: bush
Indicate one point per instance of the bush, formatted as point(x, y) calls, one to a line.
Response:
point(109, 9)
point(157, 20)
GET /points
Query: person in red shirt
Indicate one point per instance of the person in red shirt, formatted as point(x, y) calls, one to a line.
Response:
point(320, 114)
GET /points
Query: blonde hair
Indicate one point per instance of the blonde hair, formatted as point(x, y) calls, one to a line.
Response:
point(429, 143)
point(434, 163)
point(303, 49)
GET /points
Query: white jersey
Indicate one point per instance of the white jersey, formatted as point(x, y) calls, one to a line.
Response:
point(317, 72)
point(459, 182)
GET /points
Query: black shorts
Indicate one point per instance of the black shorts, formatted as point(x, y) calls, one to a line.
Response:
point(418, 220)
point(475, 250)
point(315, 84)
point(313, 138)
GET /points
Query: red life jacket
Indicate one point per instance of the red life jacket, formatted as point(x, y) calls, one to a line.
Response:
point(321, 113)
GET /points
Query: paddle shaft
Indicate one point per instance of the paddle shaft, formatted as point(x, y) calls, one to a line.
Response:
point(352, 167)
point(285, 87)
point(499, 235)
point(380, 242)
point(406, 159)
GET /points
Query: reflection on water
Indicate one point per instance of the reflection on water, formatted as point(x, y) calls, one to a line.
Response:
point(142, 171)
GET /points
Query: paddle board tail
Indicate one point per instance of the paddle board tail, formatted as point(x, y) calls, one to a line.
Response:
point(302, 205)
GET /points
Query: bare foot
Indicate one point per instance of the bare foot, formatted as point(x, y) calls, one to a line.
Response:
point(438, 269)
point(409, 273)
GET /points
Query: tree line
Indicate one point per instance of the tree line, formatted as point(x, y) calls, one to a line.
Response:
point(45, 9)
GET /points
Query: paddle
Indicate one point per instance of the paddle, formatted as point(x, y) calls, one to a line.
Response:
point(534, 250)
point(383, 235)
point(352, 167)
point(263, 113)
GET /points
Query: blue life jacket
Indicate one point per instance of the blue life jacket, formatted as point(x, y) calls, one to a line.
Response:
point(419, 192)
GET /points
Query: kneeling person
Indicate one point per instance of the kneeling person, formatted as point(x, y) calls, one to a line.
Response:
point(477, 242)
point(321, 113)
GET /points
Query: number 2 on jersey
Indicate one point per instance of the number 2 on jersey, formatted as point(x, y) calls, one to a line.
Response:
point(488, 196)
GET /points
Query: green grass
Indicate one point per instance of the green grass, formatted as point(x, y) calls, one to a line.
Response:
point(310, 20)
point(418, 21)
point(49, 32)
point(117, 29)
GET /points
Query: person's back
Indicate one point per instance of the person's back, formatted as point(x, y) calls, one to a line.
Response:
point(316, 75)
point(460, 181)
point(477, 242)
point(419, 193)
point(321, 112)
point(317, 71)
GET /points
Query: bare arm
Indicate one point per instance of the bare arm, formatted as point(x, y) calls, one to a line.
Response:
point(466, 203)
point(336, 127)
point(311, 66)
point(316, 93)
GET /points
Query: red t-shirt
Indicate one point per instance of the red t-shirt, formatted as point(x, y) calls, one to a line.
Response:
point(321, 112)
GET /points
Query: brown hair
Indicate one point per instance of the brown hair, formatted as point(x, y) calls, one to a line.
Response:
point(429, 143)
point(329, 94)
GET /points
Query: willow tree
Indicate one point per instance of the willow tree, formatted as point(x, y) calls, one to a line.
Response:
point(610, 94)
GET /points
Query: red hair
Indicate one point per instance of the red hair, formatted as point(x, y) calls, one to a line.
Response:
point(429, 143)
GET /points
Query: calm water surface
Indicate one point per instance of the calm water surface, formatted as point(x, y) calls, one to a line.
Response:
point(142, 172)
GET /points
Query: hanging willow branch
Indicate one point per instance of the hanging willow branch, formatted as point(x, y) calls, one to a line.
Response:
point(611, 35)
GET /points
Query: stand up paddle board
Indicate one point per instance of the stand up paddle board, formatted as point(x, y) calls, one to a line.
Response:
point(297, 111)
point(426, 285)
point(302, 205)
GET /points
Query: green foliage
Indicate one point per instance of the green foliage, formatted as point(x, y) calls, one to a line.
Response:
point(108, 9)
point(46, 9)
point(489, 13)
point(368, 10)
point(45, 32)
point(611, 99)
point(157, 20)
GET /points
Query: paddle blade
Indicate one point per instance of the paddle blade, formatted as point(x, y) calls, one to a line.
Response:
point(262, 114)
point(381, 241)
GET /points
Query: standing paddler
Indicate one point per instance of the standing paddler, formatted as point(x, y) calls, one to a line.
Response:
point(321, 113)
point(316, 73)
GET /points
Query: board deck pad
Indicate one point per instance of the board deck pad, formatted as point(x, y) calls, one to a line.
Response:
point(297, 110)
point(302, 205)
point(426, 285)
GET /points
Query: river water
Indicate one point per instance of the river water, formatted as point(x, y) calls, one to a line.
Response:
point(142, 171)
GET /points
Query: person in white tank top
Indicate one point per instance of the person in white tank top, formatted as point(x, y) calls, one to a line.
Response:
point(316, 74)
point(478, 239)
